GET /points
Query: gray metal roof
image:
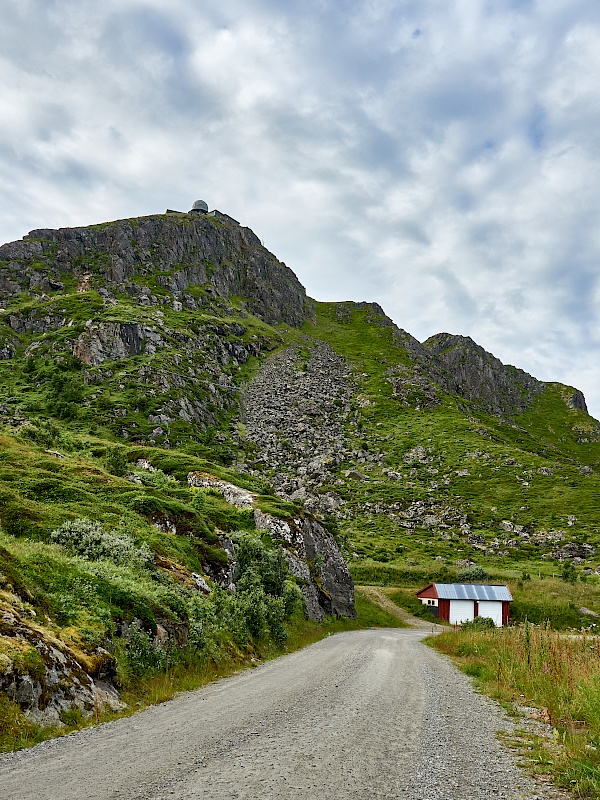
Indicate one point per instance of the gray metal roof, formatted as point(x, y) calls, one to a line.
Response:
point(471, 591)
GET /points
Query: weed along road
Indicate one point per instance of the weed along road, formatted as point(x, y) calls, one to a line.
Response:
point(367, 714)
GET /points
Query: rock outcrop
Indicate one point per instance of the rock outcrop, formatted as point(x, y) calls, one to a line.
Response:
point(314, 557)
point(44, 677)
point(577, 400)
point(468, 370)
point(457, 365)
point(177, 250)
point(311, 552)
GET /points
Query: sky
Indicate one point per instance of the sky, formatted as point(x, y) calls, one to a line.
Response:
point(439, 158)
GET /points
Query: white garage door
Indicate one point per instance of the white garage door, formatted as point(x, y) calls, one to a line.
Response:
point(461, 611)
point(493, 609)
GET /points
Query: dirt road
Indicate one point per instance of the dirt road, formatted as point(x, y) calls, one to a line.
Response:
point(368, 714)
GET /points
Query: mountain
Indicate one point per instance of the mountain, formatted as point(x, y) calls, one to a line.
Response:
point(188, 440)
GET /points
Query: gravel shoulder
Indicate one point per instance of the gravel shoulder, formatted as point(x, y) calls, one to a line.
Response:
point(363, 714)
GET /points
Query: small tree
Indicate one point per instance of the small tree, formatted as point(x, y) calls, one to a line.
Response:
point(115, 461)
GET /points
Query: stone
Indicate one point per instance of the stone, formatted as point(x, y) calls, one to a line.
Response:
point(307, 540)
point(354, 475)
point(461, 366)
point(63, 682)
point(241, 266)
point(240, 498)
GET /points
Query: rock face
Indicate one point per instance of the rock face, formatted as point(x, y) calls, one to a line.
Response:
point(310, 550)
point(314, 557)
point(473, 373)
point(181, 251)
point(577, 400)
point(113, 340)
point(45, 679)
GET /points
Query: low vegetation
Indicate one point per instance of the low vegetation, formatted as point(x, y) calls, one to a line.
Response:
point(548, 677)
point(405, 598)
point(150, 676)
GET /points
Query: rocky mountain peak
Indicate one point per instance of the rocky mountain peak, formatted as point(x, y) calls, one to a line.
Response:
point(157, 259)
point(473, 373)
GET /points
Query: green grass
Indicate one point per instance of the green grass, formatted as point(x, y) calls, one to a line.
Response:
point(406, 599)
point(501, 456)
point(370, 615)
point(557, 675)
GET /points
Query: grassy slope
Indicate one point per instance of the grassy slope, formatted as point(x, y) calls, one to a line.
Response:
point(548, 435)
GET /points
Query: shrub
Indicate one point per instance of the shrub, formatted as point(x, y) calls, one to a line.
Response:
point(156, 479)
point(569, 573)
point(115, 461)
point(474, 573)
point(267, 563)
point(479, 624)
point(293, 599)
point(89, 539)
point(142, 656)
point(40, 432)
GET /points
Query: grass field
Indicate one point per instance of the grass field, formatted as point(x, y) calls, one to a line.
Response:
point(547, 676)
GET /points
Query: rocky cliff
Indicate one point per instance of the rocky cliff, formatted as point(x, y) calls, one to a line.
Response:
point(156, 261)
point(471, 372)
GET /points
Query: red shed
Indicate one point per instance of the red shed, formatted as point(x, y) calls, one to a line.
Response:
point(461, 602)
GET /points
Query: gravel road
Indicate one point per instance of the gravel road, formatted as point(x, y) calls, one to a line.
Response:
point(367, 714)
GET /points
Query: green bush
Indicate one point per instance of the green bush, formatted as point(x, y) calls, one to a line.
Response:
point(43, 433)
point(479, 624)
point(115, 461)
point(89, 539)
point(293, 599)
point(268, 564)
point(474, 573)
point(143, 657)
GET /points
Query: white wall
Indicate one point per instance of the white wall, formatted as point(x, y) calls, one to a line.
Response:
point(493, 609)
point(461, 611)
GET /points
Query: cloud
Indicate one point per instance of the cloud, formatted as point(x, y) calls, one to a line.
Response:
point(439, 158)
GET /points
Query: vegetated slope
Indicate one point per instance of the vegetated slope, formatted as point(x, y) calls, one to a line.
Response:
point(447, 454)
point(148, 367)
point(117, 562)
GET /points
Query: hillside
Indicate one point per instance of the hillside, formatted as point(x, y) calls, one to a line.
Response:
point(187, 439)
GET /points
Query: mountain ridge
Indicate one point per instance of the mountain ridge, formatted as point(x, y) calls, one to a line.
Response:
point(152, 368)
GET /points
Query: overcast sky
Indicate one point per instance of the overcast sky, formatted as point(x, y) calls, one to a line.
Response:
point(440, 158)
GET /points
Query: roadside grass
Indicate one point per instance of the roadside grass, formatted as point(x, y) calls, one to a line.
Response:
point(557, 602)
point(192, 672)
point(197, 673)
point(550, 677)
point(372, 615)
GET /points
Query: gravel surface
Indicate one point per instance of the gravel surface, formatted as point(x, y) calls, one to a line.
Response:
point(368, 714)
